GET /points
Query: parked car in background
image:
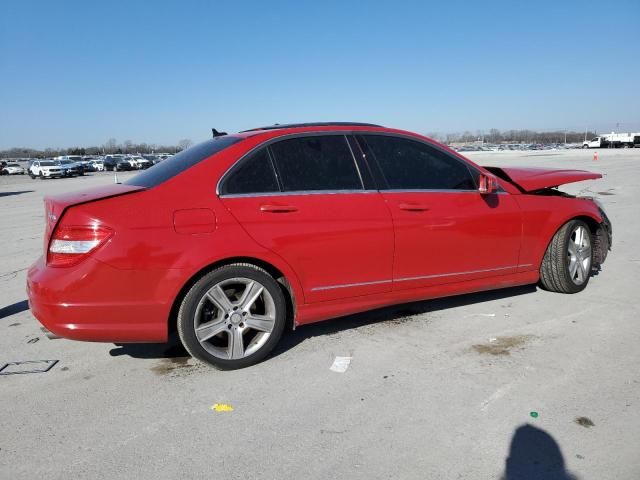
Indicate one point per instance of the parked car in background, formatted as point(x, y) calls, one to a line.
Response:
point(97, 165)
point(12, 169)
point(70, 168)
point(72, 158)
point(45, 169)
point(152, 158)
point(117, 163)
point(245, 233)
point(141, 162)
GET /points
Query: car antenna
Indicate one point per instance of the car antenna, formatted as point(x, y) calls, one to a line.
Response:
point(216, 133)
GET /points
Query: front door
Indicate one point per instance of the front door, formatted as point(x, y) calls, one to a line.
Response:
point(445, 230)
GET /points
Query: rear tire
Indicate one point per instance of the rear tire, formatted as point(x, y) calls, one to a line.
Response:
point(232, 317)
point(566, 266)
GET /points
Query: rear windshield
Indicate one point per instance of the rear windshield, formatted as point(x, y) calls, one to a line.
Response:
point(176, 164)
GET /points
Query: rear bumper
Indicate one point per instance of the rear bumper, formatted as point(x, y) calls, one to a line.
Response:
point(96, 302)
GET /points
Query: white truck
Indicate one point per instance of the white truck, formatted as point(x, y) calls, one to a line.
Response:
point(613, 140)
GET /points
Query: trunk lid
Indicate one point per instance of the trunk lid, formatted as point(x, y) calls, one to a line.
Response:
point(55, 205)
point(532, 179)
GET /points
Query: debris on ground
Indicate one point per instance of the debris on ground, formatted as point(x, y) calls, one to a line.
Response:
point(222, 407)
point(340, 364)
point(585, 422)
point(502, 345)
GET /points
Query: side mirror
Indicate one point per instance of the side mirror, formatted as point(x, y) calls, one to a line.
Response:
point(488, 184)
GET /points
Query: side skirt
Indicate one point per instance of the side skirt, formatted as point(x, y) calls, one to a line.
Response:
point(315, 312)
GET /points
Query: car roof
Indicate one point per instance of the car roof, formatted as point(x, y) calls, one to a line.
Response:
point(312, 124)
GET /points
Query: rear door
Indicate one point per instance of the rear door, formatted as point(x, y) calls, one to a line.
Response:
point(445, 230)
point(304, 198)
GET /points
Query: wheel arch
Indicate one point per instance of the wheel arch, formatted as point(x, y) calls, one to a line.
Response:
point(282, 280)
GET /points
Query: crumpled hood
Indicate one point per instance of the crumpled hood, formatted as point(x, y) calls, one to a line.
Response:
point(532, 179)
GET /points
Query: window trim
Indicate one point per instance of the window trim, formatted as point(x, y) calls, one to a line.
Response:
point(267, 144)
point(246, 158)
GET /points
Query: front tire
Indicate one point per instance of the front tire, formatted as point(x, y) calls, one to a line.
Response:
point(232, 317)
point(566, 266)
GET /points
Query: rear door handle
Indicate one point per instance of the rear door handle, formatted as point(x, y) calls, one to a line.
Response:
point(413, 207)
point(278, 208)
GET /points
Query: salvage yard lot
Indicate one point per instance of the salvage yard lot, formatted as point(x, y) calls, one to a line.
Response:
point(436, 389)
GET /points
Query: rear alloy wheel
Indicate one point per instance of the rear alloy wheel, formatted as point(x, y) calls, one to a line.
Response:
point(232, 317)
point(566, 266)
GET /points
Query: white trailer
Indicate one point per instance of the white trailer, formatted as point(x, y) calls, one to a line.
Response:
point(613, 140)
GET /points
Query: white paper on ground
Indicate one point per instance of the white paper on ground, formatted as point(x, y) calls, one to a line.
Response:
point(340, 364)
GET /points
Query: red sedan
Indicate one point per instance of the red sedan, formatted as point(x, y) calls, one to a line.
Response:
point(244, 233)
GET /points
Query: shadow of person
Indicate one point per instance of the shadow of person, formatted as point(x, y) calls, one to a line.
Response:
point(535, 455)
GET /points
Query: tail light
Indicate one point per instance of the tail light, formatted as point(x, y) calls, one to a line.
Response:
point(70, 245)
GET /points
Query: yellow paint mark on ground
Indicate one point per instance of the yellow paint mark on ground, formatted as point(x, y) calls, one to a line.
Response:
point(222, 407)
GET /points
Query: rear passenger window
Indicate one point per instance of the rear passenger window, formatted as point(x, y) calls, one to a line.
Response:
point(316, 163)
point(254, 175)
point(411, 165)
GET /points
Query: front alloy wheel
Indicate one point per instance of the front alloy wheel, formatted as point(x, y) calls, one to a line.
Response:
point(566, 266)
point(232, 317)
point(579, 254)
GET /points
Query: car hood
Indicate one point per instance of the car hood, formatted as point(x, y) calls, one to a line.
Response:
point(532, 179)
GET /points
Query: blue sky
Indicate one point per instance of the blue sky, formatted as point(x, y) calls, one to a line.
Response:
point(80, 72)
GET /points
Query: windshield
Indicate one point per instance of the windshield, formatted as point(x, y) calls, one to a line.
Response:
point(13, 165)
point(47, 164)
point(163, 171)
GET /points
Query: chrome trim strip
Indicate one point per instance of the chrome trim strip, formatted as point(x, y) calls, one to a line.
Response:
point(347, 285)
point(377, 282)
point(438, 275)
point(301, 192)
point(435, 190)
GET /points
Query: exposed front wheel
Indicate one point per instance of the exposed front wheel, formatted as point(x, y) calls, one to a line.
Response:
point(566, 266)
point(232, 317)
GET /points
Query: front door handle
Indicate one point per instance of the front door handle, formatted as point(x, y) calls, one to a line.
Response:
point(278, 208)
point(413, 207)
